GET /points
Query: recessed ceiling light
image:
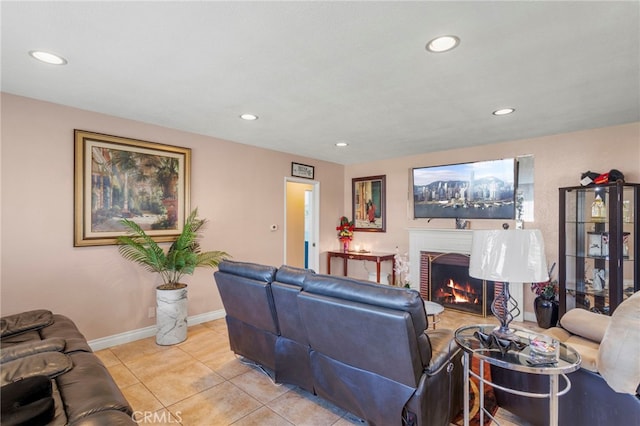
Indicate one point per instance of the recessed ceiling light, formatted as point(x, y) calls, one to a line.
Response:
point(47, 57)
point(503, 111)
point(443, 44)
point(342, 144)
point(249, 117)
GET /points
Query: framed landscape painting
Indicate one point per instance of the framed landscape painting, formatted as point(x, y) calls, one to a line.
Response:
point(369, 204)
point(117, 178)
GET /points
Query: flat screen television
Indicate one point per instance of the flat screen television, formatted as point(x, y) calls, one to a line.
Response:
point(477, 190)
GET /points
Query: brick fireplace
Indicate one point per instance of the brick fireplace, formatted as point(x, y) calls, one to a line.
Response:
point(457, 244)
point(444, 279)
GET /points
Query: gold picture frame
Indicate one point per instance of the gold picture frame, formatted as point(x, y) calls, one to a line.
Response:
point(368, 195)
point(116, 178)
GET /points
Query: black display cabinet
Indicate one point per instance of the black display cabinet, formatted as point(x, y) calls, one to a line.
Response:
point(598, 246)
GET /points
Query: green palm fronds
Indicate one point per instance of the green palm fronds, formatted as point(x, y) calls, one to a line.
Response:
point(184, 254)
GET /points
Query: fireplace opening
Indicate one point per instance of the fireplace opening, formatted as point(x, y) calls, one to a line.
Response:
point(444, 279)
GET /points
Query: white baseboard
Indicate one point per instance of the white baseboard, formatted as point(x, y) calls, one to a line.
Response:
point(206, 317)
point(530, 316)
point(143, 333)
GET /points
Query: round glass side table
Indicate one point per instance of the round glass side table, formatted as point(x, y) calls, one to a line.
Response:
point(476, 340)
point(433, 309)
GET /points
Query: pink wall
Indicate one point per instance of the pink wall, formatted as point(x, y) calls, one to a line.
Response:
point(559, 162)
point(240, 190)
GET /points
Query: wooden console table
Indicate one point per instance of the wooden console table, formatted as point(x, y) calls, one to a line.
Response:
point(354, 255)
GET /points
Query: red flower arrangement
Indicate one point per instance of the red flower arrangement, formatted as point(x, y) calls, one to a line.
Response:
point(547, 289)
point(345, 229)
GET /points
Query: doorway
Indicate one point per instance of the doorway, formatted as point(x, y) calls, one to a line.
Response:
point(301, 230)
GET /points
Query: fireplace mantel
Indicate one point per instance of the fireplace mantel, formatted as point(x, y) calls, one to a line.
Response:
point(446, 241)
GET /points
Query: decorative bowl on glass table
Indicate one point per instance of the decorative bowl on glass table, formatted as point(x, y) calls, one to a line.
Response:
point(544, 346)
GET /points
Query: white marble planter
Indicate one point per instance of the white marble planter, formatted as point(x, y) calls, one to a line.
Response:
point(171, 316)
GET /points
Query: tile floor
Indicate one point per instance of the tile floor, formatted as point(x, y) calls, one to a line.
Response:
point(200, 382)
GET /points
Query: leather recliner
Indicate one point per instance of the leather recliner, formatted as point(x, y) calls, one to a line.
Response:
point(372, 355)
point(245, 289)
point(365, 347)
point(40, 344)
point(293, 363)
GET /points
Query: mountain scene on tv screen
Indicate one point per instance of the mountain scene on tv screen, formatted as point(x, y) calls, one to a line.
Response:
point(484, 198)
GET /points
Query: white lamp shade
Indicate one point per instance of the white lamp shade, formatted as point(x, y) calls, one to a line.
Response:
point(508, 256)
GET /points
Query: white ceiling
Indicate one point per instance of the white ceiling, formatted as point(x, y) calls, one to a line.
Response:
point(321, 72)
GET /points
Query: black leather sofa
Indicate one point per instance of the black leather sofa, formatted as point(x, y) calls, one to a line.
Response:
point(365, 347)
point(41, 344)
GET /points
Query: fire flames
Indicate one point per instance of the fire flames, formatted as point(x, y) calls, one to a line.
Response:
point(454, 292)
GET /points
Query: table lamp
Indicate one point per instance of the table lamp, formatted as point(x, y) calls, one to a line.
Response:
point(507, 256)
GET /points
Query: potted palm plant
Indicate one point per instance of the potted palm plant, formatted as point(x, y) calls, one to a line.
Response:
point(182, 258)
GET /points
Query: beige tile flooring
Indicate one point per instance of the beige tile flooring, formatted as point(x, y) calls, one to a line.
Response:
point(200, 382)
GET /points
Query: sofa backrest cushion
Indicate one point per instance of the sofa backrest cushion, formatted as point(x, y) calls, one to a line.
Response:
point(285, 289)
point(245, 289)
point(292, 275)
point(250, 270)
point(618, 360)
point(371, 294)
point(589, 325)
point(372, 327)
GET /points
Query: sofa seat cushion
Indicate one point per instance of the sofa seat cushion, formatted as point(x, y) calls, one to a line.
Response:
point(558, 333)
point(588, 351)
point(25, 321)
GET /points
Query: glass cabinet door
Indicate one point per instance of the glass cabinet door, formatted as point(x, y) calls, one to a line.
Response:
point(598, 246)
point(630, 267)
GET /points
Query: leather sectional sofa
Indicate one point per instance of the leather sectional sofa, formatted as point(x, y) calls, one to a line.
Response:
point(38, 345)
point(606, 389)
point(364, 347)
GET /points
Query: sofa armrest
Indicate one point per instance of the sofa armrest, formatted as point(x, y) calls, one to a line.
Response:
point(585, 324)
point(89, 388)
point(29, 348)
point(443, 349)
point(25, 321)
point(50, 364)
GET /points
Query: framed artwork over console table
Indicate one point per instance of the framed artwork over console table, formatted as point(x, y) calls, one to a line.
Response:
point(369, 203)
